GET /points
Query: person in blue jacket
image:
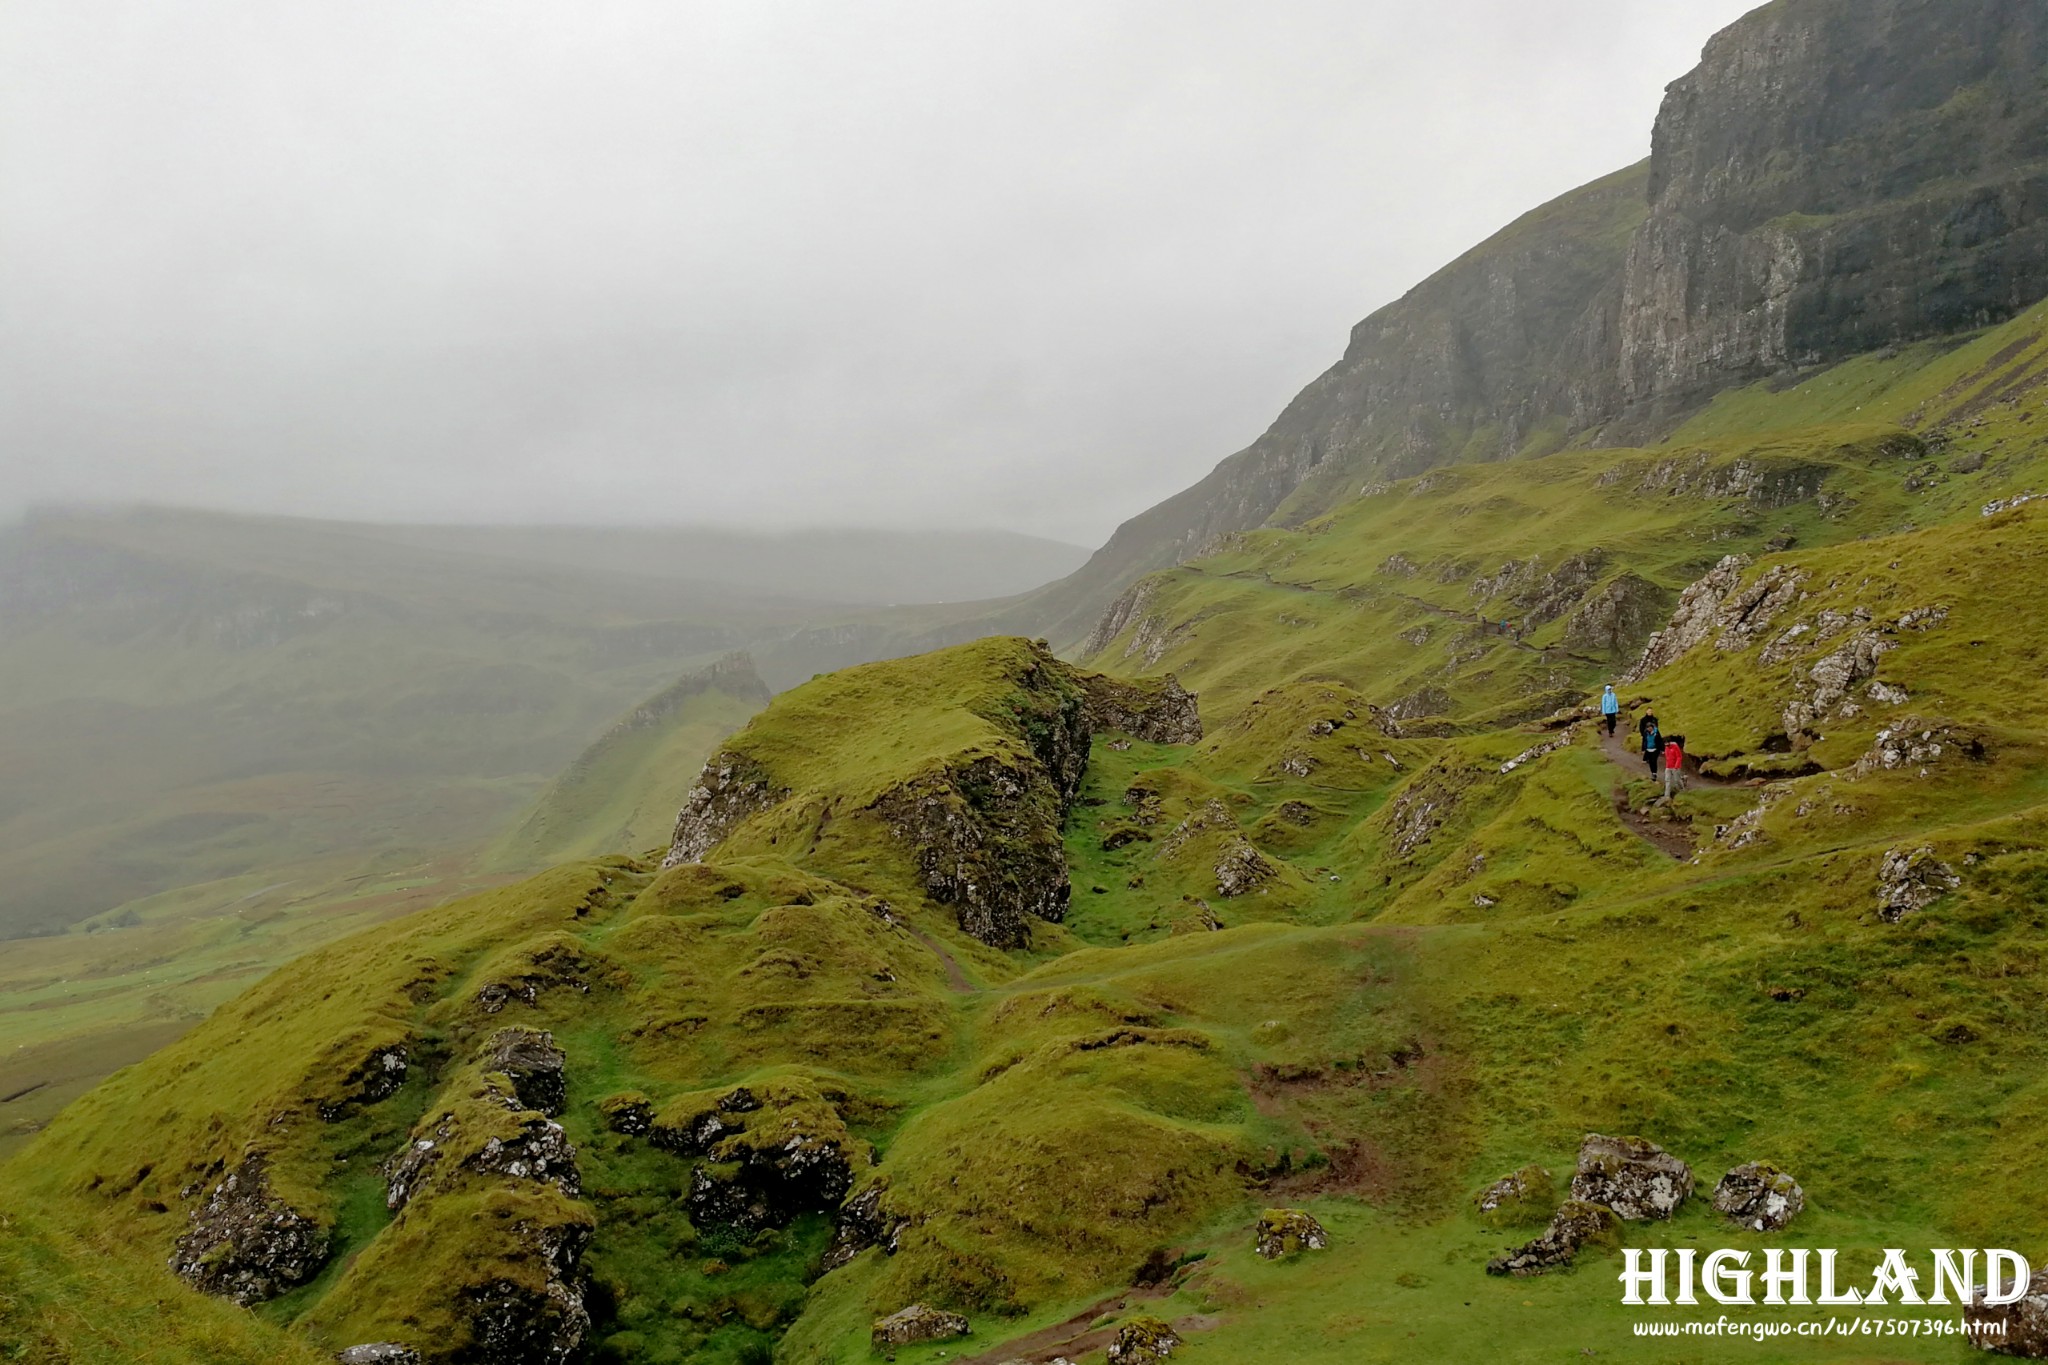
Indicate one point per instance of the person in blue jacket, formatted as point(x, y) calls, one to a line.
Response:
point(1610, 709)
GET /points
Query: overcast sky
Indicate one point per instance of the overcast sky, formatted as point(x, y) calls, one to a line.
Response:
point(769, 262)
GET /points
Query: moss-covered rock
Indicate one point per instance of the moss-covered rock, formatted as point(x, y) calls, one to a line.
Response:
point(1759, 1196)
point(1635, 1178)
point(1525, 1195)
point(916, 1324)
point(1576, 1225)
point(1282, 1231)
point(246, 1243)
point(1142, 1340)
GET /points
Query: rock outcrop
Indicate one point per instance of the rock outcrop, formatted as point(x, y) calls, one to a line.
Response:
point(1618, 618)
point(731, 788)
point(863, 1222)
point(246, 1243)
point(517, 1323)
point(767, 1157)
point(1759, 1196)
point(2018, 1329)
point(1635, 1178)
point(1142, 1340)
point(916, 1324)
point(376, 1078)
point(1158, 713)
point(532, 1062)
point(1575, 1225)
point(1910, 880)
point(1285, 1230)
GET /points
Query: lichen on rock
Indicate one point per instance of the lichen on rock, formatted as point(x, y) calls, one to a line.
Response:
point(1527, 1193)
point(1635, 1178)
point(1141, 1340)
point(1910, 881)
point(246, 1243)
point(2019, 1328)
point(1759, 1196)
point(1282, 1231)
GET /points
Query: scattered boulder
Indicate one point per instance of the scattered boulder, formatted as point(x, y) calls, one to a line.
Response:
point(559, 963)
point(1522, 1194)
point(1142, 1340)
point(378, 1353)
point(247, 1244)
point(1285, 1230)
point(1576, 1224)
point(915, 1324)
point(1635, 1178)
point(1759, 1196)
point(2022, 1325)
point(532, 1062)
point(1917, 743)
point(1241, 869)
point(1911, 881)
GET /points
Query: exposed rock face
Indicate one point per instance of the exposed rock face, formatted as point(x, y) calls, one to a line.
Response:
point(1285, 1230)
point(767, 1160)
point(1618, 618)
point(378, 1353)
point(1911, 881)
point(1575, 1225)
point(532, 1062)
point(1800, 205)
point(377, 1077)
point(1826, 688)
point(1916, 743)
point(1141, 1341)
point(1636, 1179)
point(1831, 179)
point(245, 1243)
point(517, 1324)
point(730, 789)
point(1420, 704)
point(536, 1149)
point(1692, 621)
point(561, 965)
point(1759, 1196)
point(987, 842)
point(862, 1223)
point(1161, 713)
point(1519, 1193)
point(2024, 1321)
point(917, 1323)
point(631, 1113)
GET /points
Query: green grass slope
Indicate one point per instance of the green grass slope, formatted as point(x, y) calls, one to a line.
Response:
point(1394, 925)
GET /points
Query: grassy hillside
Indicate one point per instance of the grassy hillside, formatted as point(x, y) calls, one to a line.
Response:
point(976, 981)
point(622, 792)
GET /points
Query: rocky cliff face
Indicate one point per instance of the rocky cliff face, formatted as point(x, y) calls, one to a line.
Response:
point(1834, 177)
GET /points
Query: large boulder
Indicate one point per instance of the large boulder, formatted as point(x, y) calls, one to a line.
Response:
point(246, 1243)
point(915, 1324)
point(1574, 1226)
point(2019, 1328)
point(1141, 1341)
point(1285, 1230)
point(1635, 1178)
point(1759, 1196)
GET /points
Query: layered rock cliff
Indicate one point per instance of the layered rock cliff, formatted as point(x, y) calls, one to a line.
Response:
point(1834, 177)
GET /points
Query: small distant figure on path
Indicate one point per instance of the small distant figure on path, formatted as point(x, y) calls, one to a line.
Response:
point(1653, 741)
point(1674, 766)
point(1610, 709)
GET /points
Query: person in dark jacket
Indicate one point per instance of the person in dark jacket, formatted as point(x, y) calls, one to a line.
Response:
point(1653, 741)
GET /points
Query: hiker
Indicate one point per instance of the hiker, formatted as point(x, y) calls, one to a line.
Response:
point(1674, 766)
point(1610, 709)
point(1653, 741)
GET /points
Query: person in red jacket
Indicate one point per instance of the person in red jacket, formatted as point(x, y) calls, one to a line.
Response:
point(1674, 765)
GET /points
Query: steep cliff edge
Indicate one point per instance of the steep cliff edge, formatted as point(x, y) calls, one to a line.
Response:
point(1835, 177)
